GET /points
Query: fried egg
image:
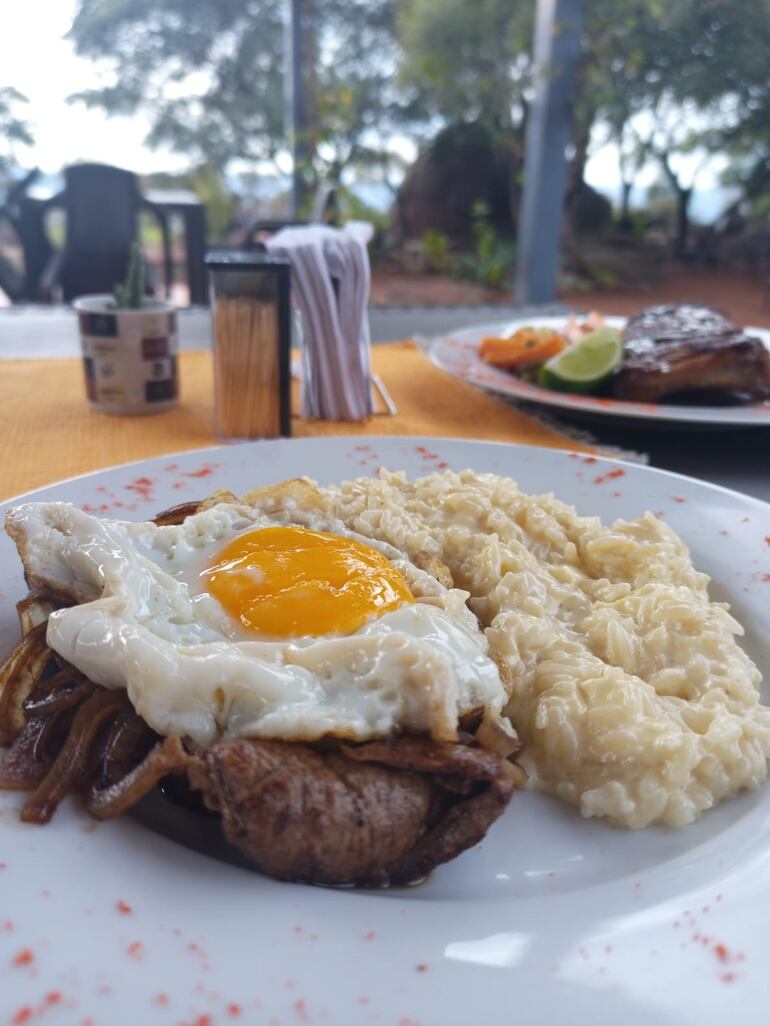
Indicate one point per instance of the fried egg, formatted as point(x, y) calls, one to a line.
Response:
point(239, 623)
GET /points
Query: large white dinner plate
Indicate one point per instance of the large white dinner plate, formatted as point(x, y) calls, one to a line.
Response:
point(553, 919)
point(457, 353)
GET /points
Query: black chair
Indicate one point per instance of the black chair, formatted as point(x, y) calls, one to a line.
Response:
point(25, 215)
point(102, 206)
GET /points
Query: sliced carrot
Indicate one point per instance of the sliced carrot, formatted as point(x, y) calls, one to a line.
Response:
point(525, 346)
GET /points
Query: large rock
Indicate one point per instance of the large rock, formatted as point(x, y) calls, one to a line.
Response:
point(460, 167)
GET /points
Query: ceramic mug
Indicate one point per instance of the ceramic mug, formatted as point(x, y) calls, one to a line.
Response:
point(129, 356)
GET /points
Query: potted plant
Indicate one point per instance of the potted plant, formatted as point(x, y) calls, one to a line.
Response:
point(129, 343)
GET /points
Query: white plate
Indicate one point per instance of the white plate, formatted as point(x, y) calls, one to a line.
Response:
point(457, 354)
point(551, 920)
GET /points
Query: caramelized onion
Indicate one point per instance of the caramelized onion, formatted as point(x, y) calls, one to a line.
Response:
point(167, 757)
point(176, 514)
point(498, 737)
point(32, 611)
point(19, 675)
point(22, 766)
point(73, 760)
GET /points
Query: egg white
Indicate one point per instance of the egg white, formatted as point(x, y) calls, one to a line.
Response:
point(144, 623)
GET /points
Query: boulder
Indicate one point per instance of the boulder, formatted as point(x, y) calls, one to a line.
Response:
point(461, 166)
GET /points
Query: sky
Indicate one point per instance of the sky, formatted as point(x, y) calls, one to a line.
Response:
point(41, 64)
point(37, 60)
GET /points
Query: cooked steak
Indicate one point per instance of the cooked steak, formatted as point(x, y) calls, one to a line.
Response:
point(379, 813)
point(687, 348)
point(676, 321)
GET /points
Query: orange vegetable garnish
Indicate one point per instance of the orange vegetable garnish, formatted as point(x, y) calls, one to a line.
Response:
point(527, 345)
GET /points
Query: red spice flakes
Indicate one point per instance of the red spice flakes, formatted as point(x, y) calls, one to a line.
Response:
point(722, 953)
point(611, 475)
point(727, 977)
point(764, 577)
point(370, 935)
point(171, 467)
point(24, 957)
point(142, 486)
point(406, 1021)
point(8, 926)
point(589, 459)
point(234, 1010)
point(767, 539)
point(161, 999)
point(22, 1015)
point(123, 907)
point(299, 929)
point(300, 1010)
point(3, 865)
point(677, 498)
point(205, 471)
point(422, 968)
point(135, 950)
point(363, 1001)
point(88, 1021)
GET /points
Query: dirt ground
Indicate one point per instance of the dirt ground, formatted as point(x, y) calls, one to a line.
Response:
point(744, 298)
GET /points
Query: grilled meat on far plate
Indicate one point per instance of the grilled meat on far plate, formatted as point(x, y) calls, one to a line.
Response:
point(688, 348)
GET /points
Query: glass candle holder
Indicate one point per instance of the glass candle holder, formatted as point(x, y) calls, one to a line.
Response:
point(250, 304)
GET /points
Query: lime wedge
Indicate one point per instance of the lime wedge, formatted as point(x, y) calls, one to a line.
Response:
point(586, 364)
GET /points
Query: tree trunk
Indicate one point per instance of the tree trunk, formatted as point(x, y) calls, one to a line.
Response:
point(681, 238)
point(625, 224)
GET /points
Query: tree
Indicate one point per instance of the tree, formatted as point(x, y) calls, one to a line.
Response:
point(469, 62)
point(676, 83)
point(211, 75)
point(14, 129)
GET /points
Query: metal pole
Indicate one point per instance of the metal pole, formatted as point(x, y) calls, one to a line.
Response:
point(296, 104)
point(556, 56)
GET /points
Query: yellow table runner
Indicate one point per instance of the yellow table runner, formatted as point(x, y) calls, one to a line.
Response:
point(49, 432)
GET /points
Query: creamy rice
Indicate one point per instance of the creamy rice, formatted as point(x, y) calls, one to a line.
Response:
point(628, 688)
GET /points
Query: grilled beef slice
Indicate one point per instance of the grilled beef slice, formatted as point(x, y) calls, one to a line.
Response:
point(684, 348)
point(378, 813)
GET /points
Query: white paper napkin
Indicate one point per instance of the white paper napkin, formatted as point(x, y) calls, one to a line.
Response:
point(330, 285)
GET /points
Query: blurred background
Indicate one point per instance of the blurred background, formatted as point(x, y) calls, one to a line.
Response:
point(410, 114)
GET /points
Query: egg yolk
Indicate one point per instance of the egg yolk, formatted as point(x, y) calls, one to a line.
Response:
point(287, 582)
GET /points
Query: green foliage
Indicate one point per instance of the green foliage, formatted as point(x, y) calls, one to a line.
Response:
point(436, 249)
point(493, 258)
point(468, 61)
point(130, 295)
point(210, 76)
point(14, 129)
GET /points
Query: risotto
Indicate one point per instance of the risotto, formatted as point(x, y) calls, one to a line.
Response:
point(628, 688)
